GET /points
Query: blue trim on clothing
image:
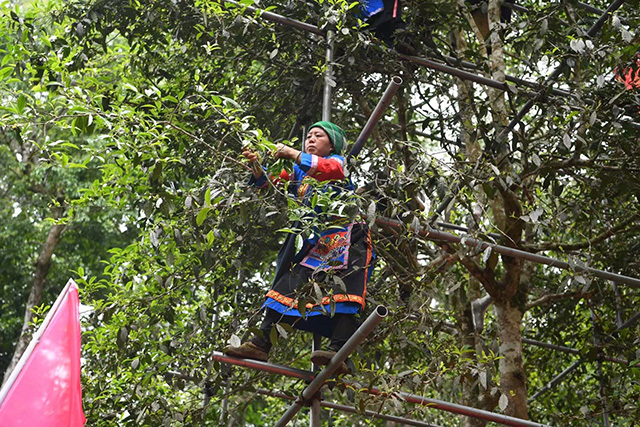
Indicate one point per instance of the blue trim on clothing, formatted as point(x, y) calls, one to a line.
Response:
point(341, 307)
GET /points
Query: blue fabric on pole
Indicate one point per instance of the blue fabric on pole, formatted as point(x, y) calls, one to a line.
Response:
point(371, 7)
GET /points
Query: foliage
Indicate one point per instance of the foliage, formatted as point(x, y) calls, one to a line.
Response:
point(130, 117)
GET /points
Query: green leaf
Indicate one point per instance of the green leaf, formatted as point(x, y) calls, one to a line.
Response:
point(5, 72)
point(202, 215)
point(22, 103)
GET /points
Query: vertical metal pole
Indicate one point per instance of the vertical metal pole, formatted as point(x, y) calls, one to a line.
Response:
point(328, 78)
point(314, 414)
point(314, 420)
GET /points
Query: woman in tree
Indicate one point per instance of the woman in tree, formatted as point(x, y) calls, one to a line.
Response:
point(336, 259)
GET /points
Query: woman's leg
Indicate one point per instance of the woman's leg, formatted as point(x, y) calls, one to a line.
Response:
point(271, 317)
point(345, 326)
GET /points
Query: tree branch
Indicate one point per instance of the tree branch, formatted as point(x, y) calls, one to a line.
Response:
point(619, 228)
point(552, 298)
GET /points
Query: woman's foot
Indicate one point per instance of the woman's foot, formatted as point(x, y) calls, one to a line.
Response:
point(323, 357)
point(247, 350)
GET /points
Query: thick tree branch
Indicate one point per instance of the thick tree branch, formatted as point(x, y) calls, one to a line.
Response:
point(617, 229)
point(35, 295)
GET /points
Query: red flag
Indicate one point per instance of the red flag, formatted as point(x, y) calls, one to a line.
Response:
point(45, 390)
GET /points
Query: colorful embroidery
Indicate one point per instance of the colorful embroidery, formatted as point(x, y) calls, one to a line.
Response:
point(331, 251)
point(325, 300)
point(303, 187)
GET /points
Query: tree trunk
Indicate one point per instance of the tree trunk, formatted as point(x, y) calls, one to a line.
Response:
point(35, 295)
point(512, 374)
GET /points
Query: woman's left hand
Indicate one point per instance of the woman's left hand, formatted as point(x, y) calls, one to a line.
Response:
point(285, 152)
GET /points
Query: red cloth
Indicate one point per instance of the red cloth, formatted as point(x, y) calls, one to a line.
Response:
point(47, 390)
point(630, 75)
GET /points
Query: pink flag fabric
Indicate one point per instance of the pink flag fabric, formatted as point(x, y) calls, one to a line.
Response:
point(46, 392)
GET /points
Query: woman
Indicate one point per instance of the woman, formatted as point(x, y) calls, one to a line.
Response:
point(338, 258)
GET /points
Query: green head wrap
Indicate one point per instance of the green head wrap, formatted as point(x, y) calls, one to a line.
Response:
point(335, 133)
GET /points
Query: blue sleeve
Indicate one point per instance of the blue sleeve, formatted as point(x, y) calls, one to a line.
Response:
point(259, 182)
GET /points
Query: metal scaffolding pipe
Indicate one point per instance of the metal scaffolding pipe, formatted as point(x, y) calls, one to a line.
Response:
point(384, 102)
point(452, 407)
point(274, 17)
point(432, 234)
point(465, 75)
point(352, 410)
point(555, 74)
point(462, 228)
point(310, 391)
point(314, 415)
point(264, 366)
point(555, 381)
point(328, 78)
point(408, 397)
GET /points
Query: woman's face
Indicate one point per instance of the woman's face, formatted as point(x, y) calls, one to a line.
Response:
point(318, 142)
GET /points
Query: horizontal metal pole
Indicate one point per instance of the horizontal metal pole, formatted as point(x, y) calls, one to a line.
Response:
point(352, 343)
point(433, 234)
point(517, 80)
point(452, 407)
point(352, 410)
point(382, 105)
point(461, 228)
point(408, 397)
point(274, 17)
point(264, 366)
point(465, 75)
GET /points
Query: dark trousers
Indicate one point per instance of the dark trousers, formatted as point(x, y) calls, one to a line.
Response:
point(342, 325)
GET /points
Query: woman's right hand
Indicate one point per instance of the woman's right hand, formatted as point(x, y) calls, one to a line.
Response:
point(250, 155)
point(254, 159)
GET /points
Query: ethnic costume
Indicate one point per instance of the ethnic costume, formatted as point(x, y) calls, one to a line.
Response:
point(341, 250)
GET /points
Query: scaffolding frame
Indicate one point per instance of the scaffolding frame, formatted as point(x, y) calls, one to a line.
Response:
point(310, 395)
point(406, 397)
